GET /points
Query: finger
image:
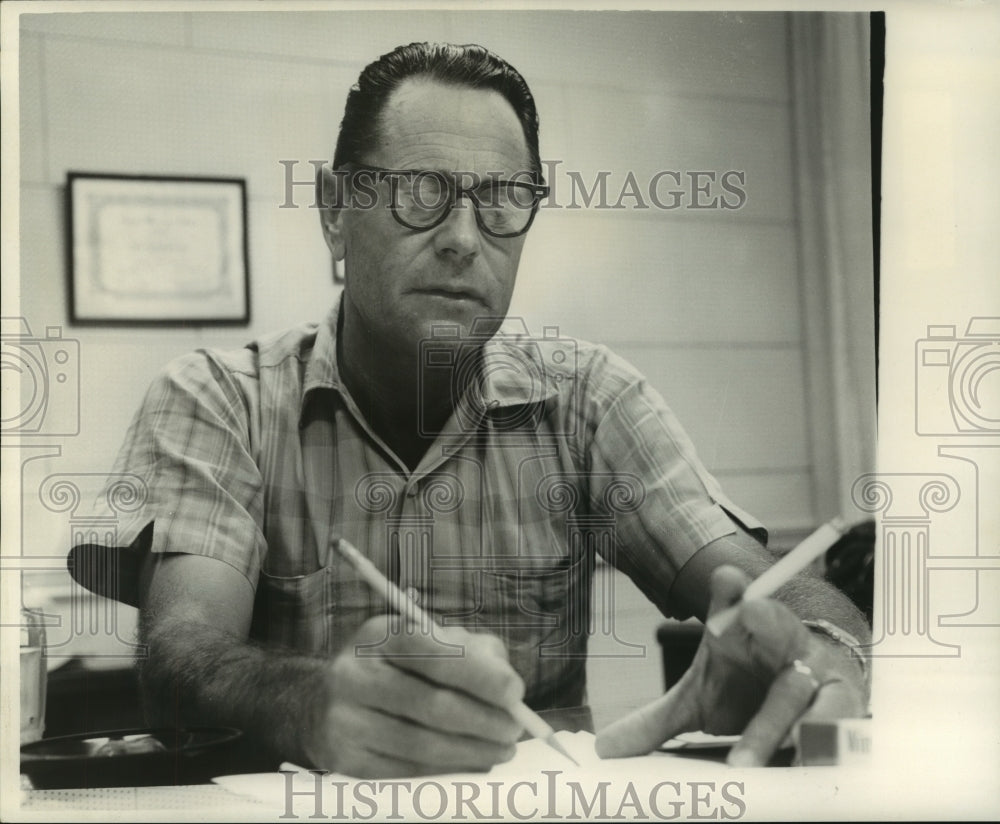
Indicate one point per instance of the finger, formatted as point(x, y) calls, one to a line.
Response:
point(341, 746)
point(488, 643)
point(762, 640)
point(645, 729)
point(835, 699)
point(403, 739)
point(787, 699)
point(778, 636)
point(389, 689)
point(356, 761)
point(460, 660)
point(726, 587)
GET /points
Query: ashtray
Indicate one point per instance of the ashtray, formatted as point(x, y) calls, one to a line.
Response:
point(127, 758)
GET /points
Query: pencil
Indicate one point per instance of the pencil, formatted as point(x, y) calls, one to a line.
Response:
point(783, 571)
point(523, 714)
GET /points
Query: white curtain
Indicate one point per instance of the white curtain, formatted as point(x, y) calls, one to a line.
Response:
point(831, 105)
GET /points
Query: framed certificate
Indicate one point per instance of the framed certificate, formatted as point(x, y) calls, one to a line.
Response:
point(157, 250)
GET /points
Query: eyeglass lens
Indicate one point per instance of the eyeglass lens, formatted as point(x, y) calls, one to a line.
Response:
point(422, 200)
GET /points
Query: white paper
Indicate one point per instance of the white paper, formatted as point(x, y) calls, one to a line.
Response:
point(536, 782)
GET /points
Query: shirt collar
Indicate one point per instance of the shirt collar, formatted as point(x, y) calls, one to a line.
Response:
point(321, 368)
point(514, 373)
point(513, 367)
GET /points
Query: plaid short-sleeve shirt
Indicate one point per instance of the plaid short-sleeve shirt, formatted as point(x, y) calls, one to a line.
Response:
point(560, 454)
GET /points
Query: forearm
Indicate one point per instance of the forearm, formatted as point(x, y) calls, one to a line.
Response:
point(807, 595)
point(812, 598)
point(195, 674)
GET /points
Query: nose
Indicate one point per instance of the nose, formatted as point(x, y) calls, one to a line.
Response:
point(458, 236)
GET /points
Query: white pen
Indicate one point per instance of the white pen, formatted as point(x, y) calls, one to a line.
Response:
point(782, 571)
point(524, 715)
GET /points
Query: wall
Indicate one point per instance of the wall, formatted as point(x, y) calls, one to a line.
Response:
point(706, 302)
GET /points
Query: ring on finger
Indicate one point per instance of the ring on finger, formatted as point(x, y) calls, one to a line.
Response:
point(801, 668)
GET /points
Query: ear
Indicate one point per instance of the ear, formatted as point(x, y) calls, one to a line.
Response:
point(329, 198)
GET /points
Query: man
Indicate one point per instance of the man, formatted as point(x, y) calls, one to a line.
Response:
point(460, 460)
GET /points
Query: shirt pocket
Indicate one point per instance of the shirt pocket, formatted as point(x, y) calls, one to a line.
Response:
point(316, 612)
point(540, 608)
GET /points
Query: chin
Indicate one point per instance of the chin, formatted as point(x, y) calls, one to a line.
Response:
point(470, 319)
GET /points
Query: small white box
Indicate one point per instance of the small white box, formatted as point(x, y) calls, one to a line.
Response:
point(847, 741)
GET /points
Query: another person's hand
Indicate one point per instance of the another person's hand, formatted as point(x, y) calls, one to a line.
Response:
point(401, 702)
point(761, 677)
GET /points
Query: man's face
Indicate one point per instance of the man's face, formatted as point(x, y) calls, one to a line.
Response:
point(402, 282)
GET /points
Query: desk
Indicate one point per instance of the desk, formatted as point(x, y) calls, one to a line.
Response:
point(688, 786)
point(686, 789)
point(534, 784)
point(210, 801)
point(198, 765)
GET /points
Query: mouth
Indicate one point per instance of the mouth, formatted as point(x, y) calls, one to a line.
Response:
point(452, 293)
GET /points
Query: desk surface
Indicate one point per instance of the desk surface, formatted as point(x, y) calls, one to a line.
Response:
point(272, 796)
point(214, 802)
point(239, 758)
point(211, 800)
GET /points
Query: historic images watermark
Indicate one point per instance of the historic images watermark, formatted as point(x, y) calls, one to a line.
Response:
point(313, 795)
point(664, 190)
point(957, 405)
point(41, 408)
point(41, 396)
point(95, 628)
point(957, 380)
point(41, 381)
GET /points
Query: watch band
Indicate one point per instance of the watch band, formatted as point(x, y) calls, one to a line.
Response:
point(842, 637)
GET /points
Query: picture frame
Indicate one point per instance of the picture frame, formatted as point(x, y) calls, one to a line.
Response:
point(157, 250)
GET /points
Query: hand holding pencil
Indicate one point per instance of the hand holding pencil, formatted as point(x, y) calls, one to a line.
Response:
point(402, 699)
point(758, 672)
point(532, 722)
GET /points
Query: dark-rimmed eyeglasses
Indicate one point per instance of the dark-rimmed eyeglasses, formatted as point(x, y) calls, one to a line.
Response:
point(422, 199)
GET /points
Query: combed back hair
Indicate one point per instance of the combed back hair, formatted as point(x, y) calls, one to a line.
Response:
point(471, 66)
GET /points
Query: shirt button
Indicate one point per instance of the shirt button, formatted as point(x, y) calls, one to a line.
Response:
point(413, 594)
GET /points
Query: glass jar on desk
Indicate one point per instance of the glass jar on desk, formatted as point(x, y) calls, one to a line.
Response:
point(34, 677)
